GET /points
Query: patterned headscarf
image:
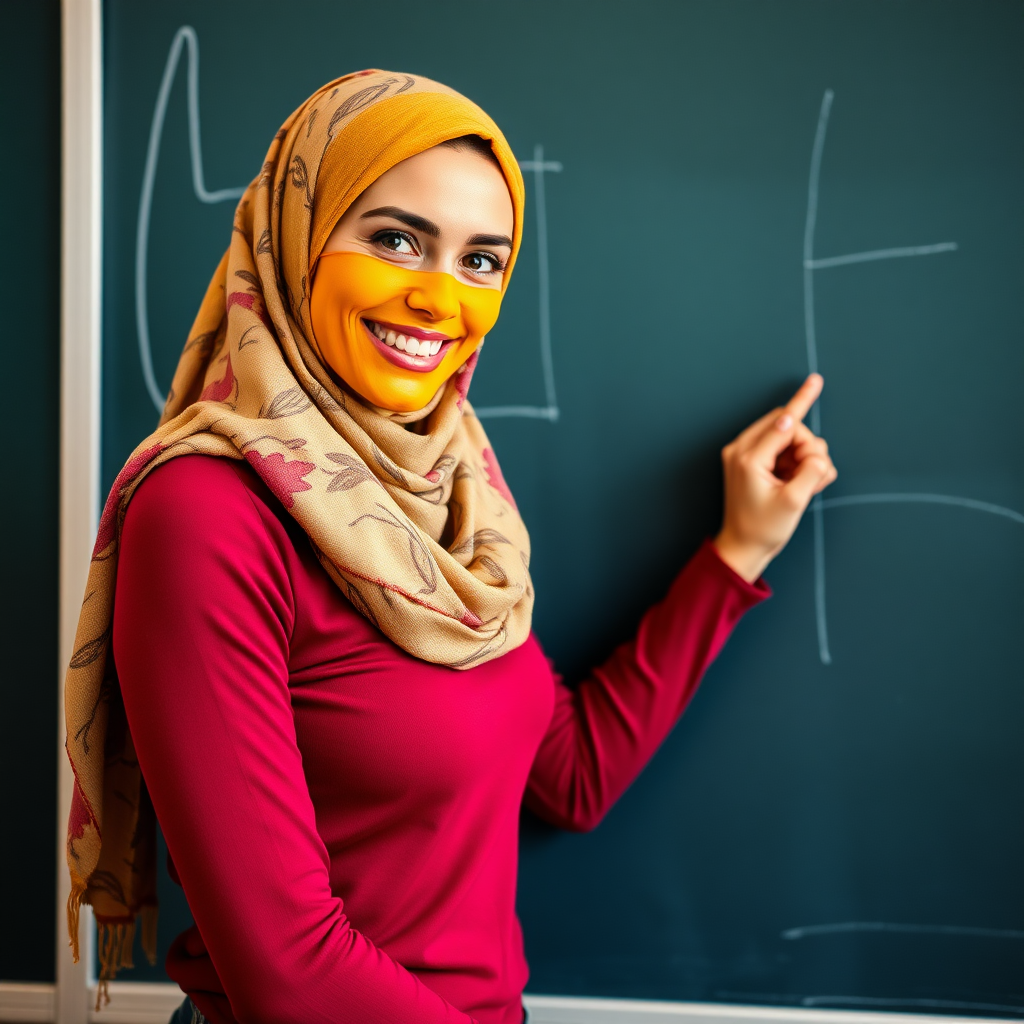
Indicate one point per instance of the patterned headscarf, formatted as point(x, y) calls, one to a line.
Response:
point(374, 497)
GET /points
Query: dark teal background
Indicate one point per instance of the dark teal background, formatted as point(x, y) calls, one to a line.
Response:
point(30, 429)
point(884, 788)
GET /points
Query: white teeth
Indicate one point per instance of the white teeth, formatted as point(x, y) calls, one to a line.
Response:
point(411, 346)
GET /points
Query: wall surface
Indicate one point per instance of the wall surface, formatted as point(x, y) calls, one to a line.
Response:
point(30, 79)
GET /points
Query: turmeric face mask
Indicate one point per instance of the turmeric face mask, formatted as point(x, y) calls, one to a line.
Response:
point(395, 335)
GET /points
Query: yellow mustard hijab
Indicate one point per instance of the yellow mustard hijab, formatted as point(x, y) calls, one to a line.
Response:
point(373, 496)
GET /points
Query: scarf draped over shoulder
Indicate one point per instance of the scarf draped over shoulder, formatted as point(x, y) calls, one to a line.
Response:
point(416, 527)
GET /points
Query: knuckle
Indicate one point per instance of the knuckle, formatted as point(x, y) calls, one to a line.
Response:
point(793, 500)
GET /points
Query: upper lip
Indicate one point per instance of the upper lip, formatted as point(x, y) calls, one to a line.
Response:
point(411, 332)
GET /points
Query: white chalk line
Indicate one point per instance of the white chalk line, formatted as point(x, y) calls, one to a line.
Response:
point(186, 36)
point(880, 1001)
point(809, 225)
point(924, 499)
point(810, 334)
point(846, 927)
point(810, 266)
point(539, 166)
point(880, 254)
point(788, 998)
point(536, 412)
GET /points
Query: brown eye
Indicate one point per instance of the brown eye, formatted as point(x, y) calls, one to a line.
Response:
point(482, 263)
point(395, 241)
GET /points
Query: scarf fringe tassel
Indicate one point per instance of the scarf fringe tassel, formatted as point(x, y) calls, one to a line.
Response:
point(114, 942)
point(74, 913)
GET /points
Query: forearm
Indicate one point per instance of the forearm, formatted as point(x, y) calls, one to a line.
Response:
point(604, 732)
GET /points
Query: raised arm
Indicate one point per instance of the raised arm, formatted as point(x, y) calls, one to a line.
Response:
point(201, 635)
point(604, 731)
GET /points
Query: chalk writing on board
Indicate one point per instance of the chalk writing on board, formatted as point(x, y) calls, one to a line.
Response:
point(549, 411)
point(812, 265)
point(847, 927)
point(940, 931)
point(878, 1002)
point(875, 1002)
point(186, 37)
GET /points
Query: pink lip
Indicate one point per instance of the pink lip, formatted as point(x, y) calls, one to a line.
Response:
point(421, 364)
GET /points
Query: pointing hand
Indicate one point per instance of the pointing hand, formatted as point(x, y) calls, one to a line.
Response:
point(772, 470)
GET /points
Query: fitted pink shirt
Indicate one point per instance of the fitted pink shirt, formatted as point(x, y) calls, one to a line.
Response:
point(342, 816)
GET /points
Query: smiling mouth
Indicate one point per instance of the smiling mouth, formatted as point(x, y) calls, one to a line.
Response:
point(409, 343)
point(418, 349)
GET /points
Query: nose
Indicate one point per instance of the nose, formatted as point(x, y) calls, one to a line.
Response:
point(435, 295)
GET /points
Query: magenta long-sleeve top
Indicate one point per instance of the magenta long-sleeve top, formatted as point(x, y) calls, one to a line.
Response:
point(343, 817)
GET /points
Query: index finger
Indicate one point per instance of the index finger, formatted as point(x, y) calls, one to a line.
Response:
point(807, 394)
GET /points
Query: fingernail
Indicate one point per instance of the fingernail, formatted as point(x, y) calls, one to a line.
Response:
point(784, 422)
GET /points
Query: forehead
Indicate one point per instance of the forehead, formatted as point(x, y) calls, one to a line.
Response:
point(452, 187)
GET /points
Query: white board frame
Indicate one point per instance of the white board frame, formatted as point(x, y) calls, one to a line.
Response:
point(81, 296)
point(139, 1003)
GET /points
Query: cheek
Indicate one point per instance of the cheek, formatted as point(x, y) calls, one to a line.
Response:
point(352, 283)
point(480, 308)
point(353, 294)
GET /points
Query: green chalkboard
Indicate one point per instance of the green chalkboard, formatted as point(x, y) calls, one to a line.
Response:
point(30, 426)
point(733, 193)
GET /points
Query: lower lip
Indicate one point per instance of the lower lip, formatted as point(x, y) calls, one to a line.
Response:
point(420, 364)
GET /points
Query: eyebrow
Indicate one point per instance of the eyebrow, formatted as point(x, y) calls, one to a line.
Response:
point(428, 227)
point(413, 220)
point(490, 240)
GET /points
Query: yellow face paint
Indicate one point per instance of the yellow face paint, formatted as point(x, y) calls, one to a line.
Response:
point(368, 314)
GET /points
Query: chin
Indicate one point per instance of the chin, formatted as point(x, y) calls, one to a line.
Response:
point(400, 402)
point(404, 407)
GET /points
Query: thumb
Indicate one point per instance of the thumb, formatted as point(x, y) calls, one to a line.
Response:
point(806, 481)
point(777, 437)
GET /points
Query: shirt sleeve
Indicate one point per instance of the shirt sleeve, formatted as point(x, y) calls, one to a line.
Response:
point(605, 730)
point(202, 620)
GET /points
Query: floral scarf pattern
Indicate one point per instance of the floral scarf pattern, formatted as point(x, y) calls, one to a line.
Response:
point(416, 527)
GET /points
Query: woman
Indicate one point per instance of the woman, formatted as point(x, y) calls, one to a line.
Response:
point(319, 655)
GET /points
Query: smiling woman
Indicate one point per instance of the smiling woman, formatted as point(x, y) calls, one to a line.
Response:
point(306, 648)
point(411, 278)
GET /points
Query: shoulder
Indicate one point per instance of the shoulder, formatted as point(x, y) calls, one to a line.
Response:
point(194, 482)
point(203, 503)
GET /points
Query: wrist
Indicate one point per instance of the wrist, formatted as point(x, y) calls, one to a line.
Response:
point(746, 560)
